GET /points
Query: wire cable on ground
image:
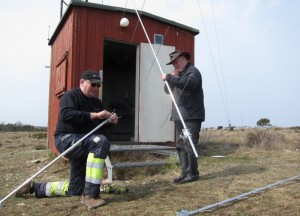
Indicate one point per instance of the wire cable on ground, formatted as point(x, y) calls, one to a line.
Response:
point(237, 198)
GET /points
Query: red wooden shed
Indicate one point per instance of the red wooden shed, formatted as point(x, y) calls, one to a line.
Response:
point(89, 36)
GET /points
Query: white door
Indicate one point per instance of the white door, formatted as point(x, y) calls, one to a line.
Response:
point(153, 105)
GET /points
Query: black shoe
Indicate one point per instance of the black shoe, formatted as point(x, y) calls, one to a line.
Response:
point(177, 180)
point(28, 188)
point(189, 178)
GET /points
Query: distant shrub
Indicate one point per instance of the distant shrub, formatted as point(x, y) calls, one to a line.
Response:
point(219, 127)
point(263, 122)
point(266, 140)
point(51, 156)
point(40, 147)
point(18, 126)
point(278, 128)
point(39, 135)
point(296, 129)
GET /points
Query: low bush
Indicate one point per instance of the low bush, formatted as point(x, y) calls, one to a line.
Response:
point(266, 140)
point(39, 135)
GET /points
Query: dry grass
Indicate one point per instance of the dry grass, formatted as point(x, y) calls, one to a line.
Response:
point(245, 167)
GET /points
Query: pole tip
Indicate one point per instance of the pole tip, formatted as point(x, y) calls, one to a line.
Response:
point(182, 213)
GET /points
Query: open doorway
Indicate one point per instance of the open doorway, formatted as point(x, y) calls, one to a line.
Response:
point(119, 71)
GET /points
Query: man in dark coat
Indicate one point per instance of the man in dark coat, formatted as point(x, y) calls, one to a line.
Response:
point(186, 85)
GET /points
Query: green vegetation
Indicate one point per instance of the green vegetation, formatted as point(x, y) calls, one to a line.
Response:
point(263, 122)
point(40, 135)
point(18, 126)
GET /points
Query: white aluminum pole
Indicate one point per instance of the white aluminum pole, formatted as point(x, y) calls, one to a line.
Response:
point(186, 132)
point(59, 156)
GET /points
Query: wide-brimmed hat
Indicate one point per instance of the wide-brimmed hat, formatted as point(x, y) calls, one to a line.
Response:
point(176, 54)
point(92, 76)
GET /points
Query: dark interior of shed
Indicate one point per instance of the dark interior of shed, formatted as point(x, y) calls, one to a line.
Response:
point(119, 71)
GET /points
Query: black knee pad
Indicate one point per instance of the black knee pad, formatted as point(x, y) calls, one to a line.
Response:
point(101, 146)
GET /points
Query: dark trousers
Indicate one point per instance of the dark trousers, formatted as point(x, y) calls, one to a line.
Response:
point(78, 157)
point(188, 160)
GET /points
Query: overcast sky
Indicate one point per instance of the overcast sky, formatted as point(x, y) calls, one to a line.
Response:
point(248, 53)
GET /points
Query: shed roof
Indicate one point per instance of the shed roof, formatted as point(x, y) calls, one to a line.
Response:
point(75, 3)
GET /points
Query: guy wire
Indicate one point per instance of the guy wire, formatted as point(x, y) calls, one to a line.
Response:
point(214, 65)
point(221, 64)
point(157, 53)
point(125, 8)
point(137, 23)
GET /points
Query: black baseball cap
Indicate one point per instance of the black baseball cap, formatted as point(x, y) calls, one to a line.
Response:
point(92, 76)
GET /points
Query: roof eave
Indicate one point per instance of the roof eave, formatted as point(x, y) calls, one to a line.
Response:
point(74, 3)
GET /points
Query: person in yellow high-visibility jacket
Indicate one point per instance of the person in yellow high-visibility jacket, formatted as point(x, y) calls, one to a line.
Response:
point(80, 112)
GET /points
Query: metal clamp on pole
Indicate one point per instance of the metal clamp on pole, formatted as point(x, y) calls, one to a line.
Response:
point(185, 134)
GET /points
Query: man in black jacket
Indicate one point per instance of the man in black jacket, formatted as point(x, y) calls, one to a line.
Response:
point(186, 85)
point(80, 112)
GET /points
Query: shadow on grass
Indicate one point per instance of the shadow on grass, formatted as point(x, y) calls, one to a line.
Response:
point(233, 171)
point(215, 148)
point(141, 191)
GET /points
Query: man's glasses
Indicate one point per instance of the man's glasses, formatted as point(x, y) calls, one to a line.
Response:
point(95, 84)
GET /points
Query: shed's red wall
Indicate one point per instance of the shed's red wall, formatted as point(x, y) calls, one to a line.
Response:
point(82, 36)
point(62, 44)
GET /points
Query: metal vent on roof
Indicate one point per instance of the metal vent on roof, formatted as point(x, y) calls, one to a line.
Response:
point(158, 39)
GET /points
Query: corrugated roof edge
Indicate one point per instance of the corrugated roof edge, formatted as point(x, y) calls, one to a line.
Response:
point(112, 8)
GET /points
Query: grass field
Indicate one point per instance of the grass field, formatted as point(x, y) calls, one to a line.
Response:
point(253, 158)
